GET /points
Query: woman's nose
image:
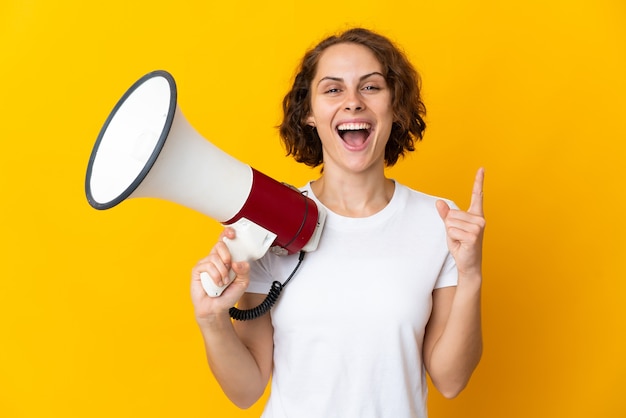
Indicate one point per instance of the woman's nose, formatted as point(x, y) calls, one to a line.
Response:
point(354, 102)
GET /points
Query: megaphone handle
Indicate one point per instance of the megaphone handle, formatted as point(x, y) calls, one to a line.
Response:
point(251, 242)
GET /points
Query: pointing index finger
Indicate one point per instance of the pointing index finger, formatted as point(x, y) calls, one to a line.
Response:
point(476, 204)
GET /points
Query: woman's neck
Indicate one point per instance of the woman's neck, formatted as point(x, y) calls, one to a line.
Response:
point(355, 196)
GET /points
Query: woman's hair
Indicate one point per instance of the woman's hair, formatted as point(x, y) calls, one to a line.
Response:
point(302, 141)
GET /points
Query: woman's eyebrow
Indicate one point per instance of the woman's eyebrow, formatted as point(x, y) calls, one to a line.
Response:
point(371, 74)
point(329, 78)
point(363, 77)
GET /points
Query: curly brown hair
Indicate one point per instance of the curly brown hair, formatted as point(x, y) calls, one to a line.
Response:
point(302, 141)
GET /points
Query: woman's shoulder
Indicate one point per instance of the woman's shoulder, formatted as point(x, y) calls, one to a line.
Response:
point(417, 197)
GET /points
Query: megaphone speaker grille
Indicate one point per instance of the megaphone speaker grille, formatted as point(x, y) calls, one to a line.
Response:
point(131, 139)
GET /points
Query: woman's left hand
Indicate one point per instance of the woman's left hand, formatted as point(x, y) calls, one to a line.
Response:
point(465, 229)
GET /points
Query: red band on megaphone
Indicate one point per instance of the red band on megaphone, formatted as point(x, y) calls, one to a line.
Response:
point(285, 211)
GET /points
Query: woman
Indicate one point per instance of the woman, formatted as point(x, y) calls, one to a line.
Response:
point(394, 286)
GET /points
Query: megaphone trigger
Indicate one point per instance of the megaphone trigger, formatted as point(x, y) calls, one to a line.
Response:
point(251, 242)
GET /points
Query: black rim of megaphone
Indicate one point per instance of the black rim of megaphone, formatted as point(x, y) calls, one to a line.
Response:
point(155, 153)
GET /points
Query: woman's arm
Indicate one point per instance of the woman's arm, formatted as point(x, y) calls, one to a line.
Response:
point(240, 353)
point(453, 339)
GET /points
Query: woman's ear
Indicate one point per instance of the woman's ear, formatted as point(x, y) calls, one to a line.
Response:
point(310, 120)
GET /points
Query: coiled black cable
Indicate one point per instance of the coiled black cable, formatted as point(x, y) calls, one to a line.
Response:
point(268, 302)
point(266, 305)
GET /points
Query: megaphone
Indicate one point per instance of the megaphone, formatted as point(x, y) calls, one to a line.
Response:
point(146, 148)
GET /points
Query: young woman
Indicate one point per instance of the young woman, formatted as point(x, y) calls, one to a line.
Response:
point(393, 290)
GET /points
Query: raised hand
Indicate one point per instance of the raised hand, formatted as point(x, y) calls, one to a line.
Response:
point(465, 229)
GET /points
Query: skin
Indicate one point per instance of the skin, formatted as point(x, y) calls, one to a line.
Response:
point(349, 88)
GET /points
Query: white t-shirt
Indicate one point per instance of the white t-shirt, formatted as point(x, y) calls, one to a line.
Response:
point(349, 326)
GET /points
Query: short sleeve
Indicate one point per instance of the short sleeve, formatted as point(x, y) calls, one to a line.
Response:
point(449, 274)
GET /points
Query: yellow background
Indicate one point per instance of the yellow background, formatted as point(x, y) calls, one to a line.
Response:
point(95, 317)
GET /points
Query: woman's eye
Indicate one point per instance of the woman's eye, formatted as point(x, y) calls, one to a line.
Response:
point(332, 90)
point(371, 88)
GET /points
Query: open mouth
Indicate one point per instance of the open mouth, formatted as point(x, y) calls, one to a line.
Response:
point(354, 134)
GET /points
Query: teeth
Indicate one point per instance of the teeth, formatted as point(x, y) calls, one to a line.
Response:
point(353, 126)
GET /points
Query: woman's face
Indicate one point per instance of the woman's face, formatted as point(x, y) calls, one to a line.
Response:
point(351, 108)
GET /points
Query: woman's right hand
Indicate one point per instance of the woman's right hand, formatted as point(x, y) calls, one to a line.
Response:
point(218, 265)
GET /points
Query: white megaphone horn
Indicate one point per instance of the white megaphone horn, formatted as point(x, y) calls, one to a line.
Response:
point(146, 148)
